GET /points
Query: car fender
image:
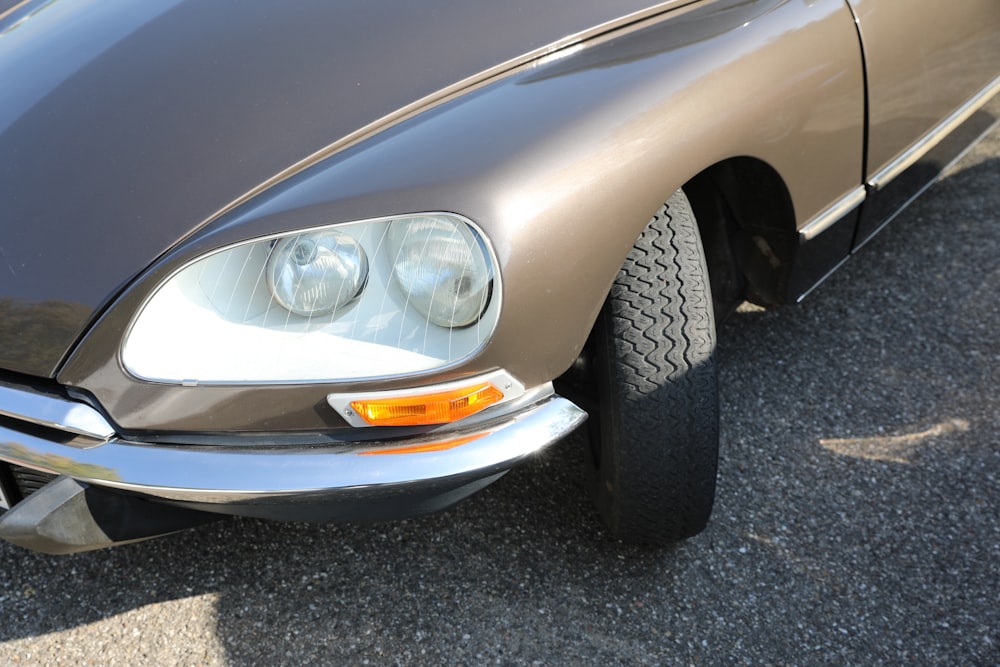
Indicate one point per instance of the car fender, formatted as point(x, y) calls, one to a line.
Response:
point(561, 162)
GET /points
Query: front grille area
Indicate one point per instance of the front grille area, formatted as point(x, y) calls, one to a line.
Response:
point(21, 482)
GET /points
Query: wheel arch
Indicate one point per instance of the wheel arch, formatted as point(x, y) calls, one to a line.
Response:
point(747, 224)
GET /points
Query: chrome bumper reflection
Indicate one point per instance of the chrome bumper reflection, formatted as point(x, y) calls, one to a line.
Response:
point(221, 475)
point(53, 412)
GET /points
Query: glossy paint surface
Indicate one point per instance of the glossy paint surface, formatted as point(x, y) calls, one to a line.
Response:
point(561, 164)
point(924, 60)
point(559, 149)
point(125, 125)
point(924, 67)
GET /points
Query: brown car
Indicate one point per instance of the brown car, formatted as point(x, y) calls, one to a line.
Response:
point(348, 261)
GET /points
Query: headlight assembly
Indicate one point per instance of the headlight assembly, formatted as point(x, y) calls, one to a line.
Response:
point(366, 299)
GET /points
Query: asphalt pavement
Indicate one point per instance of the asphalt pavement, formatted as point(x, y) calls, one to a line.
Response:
point(857, 521)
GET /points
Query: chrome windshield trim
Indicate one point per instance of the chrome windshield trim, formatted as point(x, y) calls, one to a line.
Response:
point(933, 137)
point(53, 412)
point(828, 217)
point(220, 475)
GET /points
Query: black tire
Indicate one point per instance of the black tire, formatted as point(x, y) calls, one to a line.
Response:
point(655, 429)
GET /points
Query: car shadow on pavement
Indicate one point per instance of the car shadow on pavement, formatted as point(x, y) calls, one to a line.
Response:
point(823, 548)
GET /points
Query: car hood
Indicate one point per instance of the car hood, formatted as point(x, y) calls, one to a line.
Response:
point(125, 125)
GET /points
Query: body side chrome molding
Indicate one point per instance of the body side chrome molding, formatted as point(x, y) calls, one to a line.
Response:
point(802, 297)
point(926, 143)
point(833, 213)
point(926, 186)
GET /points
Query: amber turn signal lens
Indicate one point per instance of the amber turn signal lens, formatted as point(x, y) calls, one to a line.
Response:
point(438, 408)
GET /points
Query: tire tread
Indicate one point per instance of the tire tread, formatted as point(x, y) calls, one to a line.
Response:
point(656, 480)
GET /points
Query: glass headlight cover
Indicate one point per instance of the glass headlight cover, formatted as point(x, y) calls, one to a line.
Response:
point(441, 269)
point(368, 299)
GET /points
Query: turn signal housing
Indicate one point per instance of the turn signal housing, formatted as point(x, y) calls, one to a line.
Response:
point(423, 406)
point(440, 408)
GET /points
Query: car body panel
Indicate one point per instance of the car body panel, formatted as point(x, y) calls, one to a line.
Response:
point(924, 65)
point(923, 62)
point(629, 110)
point(125, 126)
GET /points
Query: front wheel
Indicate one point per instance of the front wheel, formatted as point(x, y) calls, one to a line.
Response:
point(651, 368)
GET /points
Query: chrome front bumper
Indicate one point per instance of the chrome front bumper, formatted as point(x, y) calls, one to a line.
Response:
point(340, 481)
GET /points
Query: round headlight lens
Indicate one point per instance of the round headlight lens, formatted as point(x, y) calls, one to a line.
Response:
point(316, 273)
point(441, 268)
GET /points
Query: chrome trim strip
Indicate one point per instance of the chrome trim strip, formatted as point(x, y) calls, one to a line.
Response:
point(4, 503)
point(913, 154)
point(220, 475)
point(53, 412)
point(926, 186)
point(11, 10)
point(819, 282)
point(828, 217)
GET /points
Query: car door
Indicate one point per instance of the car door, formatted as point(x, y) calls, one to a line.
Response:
point(931, 66)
